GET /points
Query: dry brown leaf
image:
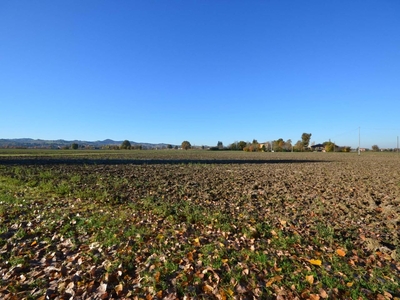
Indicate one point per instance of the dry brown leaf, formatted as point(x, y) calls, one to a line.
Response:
point(388, 295)
point(323, 294)
point(240, 289)
point(190, 256)
point(157, 277)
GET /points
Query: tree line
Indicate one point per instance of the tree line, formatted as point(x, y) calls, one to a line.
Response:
point(279, 145)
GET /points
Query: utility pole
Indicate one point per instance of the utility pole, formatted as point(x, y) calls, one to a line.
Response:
point(359, 150)
point(397, 144)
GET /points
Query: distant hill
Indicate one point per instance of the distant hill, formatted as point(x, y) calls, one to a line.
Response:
point(55, 144)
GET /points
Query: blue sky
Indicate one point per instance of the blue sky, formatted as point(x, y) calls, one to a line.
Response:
point(203, 71)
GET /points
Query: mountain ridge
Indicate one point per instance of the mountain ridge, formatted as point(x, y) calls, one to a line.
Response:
point(59, 143)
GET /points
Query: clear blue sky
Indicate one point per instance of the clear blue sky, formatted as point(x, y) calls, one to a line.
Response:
point(203, 71)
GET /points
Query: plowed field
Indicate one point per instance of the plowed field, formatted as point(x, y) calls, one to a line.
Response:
point(199, 224)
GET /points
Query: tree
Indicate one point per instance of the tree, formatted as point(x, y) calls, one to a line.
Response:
point(329, 146)
point(346, 149)
point(255, 146)
point(278, 145)
point(126, 145)
point(74, 146)
point(186, 145)
point(233, 146)
point(220, 146)
point(375, 148)
point(288, 145)
point(169, 146)
point(241, 145)
point(305, 139)
point(298, 146)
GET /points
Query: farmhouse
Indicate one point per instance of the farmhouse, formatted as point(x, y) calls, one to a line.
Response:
point(318, 147)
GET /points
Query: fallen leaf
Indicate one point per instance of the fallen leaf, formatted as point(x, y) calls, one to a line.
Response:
point(207, 288)
point(119, 288)
point(190, 256)
point(323, 294)
point(314, 297)
point(340, 252)
point(315, 262)
point(277, 269)
point(388, 295)
point(157, 277)
point(350, 284)
point(310, 279)
point(274, 279)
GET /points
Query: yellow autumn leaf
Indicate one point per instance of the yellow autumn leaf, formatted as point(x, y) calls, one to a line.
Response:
point(340, 252)
point(277, 269)
point(207, 288)
point(274, 279)
point(229, 292)
point(310, 279)
point(119, 288)
point(315, 262)
point(196, 242)
point(224, 260)
point(350, 284)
